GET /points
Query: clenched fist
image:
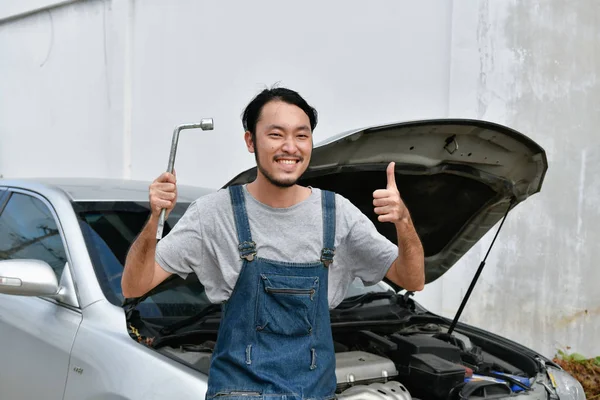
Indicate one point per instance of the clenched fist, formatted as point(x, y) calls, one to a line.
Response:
point(163, 194)
point(388, 204)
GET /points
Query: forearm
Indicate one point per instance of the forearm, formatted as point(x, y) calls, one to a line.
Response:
point(138, 273)
point(409, 267)
point(408, 270)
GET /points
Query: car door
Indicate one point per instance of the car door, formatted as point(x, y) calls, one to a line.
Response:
point(36, 334)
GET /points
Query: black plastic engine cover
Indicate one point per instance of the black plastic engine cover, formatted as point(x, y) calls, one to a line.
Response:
point(431, 377)
point(422, 344)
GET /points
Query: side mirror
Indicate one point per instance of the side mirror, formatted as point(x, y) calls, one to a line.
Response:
point(27, 278)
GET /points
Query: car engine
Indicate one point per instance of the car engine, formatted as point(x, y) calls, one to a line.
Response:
point(415, 362)
point(377, 391)
point(424, 361)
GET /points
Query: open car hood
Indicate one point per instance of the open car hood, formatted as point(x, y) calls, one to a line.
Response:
point(456, 176)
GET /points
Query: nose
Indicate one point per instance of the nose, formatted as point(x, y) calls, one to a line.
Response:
point(289, 145)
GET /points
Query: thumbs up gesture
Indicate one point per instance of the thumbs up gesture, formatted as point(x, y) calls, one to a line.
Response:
point(388, 204)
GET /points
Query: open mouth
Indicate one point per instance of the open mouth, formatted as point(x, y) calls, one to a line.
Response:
point(288, 160)
point(288, 163)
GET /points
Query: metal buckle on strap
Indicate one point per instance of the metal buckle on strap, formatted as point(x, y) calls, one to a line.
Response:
point(327, 257)
point(247, 250)
point(249, 257)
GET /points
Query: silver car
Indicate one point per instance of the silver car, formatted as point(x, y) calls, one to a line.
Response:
point(67, 332)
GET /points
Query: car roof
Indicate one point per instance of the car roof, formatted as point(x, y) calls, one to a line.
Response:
point(100, 189)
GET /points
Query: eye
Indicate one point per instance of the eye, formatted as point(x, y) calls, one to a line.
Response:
point(275, 134)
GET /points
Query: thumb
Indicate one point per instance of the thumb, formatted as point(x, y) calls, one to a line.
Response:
point(391, 176)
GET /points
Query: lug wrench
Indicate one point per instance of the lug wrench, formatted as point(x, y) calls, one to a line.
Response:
point(206, 124)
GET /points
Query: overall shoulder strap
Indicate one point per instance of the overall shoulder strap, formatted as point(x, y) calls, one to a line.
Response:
point(328, 204)
point(246, 246)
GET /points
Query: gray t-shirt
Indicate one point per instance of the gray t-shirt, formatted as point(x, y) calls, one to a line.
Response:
point(204, 241)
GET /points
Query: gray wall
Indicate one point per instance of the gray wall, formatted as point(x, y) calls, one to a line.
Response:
point(533, 66)
point(95, 89)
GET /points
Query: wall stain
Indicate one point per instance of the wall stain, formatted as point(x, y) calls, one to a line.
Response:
point(564, 321)
point(486, 57)
point(51, 45)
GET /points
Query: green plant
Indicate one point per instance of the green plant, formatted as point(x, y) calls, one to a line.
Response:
point(585, 370)
point(562, 355)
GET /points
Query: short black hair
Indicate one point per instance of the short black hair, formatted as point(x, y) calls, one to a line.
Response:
point(254, 108)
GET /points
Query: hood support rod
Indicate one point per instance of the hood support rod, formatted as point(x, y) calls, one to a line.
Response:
point(476, 277)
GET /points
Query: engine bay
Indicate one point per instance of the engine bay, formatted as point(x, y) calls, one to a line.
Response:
point(386, 347)
point(431, 364)
point(420, 361)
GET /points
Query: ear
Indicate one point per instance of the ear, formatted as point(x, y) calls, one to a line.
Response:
point(249, 143)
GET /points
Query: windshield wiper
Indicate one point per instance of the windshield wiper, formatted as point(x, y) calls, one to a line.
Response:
point(173, 328)
point(167, 333)
point(361, 299)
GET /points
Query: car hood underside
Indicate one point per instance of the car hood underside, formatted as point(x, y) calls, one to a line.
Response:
point(457, 178)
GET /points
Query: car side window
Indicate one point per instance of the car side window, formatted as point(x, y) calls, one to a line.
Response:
point(28, 231)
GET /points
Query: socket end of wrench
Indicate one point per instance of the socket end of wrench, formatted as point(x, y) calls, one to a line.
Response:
point(206, 124)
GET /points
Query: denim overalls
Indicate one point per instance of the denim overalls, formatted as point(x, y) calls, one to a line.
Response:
point(275, 339)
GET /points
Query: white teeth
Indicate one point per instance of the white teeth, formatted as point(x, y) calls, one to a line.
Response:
point(287, 161)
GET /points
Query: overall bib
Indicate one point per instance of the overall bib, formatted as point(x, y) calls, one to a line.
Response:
point(275, 339)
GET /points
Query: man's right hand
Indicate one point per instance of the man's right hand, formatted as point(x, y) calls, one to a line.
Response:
point(163, 194)
point(142, 272)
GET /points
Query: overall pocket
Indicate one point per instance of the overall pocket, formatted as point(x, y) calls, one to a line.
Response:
point(286, 305)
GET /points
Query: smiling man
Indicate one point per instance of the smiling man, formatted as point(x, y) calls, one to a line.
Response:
point(277, 256)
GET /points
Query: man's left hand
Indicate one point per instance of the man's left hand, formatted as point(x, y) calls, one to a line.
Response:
point(388, 203)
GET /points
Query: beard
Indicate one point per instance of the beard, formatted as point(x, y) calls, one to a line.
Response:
point(281, 183)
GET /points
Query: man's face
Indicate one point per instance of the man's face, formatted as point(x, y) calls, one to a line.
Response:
point(283, 143)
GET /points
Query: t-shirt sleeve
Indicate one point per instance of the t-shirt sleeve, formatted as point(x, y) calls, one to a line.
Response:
point(181, 250)
point(364, 252)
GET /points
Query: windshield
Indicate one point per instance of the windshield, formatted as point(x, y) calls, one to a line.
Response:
point(109, 229)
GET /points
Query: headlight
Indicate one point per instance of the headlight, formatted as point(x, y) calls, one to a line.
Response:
point(567, 387)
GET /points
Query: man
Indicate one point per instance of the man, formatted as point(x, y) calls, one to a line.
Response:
point(278, 256)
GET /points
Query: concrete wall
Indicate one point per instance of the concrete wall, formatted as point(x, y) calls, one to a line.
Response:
point(61, 101)
point(533, 66)
point(95, 88)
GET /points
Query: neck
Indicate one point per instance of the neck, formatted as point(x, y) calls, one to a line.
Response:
point(274, 196)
